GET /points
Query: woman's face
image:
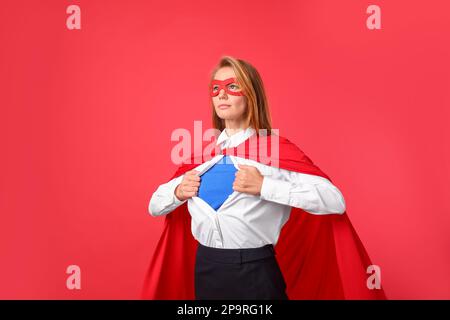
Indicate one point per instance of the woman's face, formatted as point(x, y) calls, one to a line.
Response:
point(228, 106)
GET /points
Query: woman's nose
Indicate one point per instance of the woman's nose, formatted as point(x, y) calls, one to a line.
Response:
point(222, 93)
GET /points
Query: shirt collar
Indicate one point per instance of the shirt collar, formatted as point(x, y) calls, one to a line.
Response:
point(236, 139)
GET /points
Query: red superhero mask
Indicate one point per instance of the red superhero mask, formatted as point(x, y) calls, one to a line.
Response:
point(229, 85)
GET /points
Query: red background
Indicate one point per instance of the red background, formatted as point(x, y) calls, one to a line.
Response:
point(86, 119)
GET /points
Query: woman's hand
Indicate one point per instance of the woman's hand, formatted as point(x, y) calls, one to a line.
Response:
point(248, 180)
point(188, 187)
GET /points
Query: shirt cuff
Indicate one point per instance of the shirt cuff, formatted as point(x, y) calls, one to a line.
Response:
point(176, 201)
point(275, 190)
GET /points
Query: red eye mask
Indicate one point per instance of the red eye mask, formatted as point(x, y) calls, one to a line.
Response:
point(229, 85)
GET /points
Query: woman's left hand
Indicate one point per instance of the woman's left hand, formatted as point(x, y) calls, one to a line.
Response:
point(248, 180)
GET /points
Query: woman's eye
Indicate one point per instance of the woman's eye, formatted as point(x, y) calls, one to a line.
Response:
point(233, 86)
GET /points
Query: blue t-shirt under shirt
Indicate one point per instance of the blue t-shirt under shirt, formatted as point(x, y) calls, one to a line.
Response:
point(217, 183)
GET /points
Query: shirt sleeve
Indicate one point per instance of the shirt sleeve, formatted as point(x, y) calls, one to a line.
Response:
point(163, 200)
point(314, 194)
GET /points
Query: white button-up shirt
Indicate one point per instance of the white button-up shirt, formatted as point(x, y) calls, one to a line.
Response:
point(245, 220)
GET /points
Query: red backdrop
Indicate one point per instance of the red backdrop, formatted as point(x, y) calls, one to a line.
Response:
point(86, 119)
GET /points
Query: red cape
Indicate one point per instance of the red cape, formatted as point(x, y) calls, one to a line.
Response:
point(320, 256)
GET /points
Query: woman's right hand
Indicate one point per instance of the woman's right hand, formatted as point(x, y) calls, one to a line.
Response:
point(188, 187)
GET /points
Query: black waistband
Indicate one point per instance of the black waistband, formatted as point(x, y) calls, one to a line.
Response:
point(236, 255)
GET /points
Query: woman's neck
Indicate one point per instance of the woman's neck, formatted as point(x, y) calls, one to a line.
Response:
point(233, 127)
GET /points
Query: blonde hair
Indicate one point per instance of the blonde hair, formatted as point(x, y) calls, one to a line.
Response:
point(257, 112)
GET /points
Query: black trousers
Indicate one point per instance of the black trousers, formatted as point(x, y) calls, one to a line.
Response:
point(250, 273)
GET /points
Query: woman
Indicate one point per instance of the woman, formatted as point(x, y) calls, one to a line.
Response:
point(238, 206)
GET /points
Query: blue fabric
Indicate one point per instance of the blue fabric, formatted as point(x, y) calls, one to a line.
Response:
point(217, 183)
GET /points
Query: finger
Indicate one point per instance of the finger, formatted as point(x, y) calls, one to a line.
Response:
point(192, 181)
point(238, 178)
point(190, 194)
point(193, 177)
point(193, 173)
point(238, 183)
point(191, 189)
point(189, 177)
point(241, 184)
point(194, 184)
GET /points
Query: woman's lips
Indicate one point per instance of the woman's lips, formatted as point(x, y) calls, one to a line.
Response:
point(224, 106)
